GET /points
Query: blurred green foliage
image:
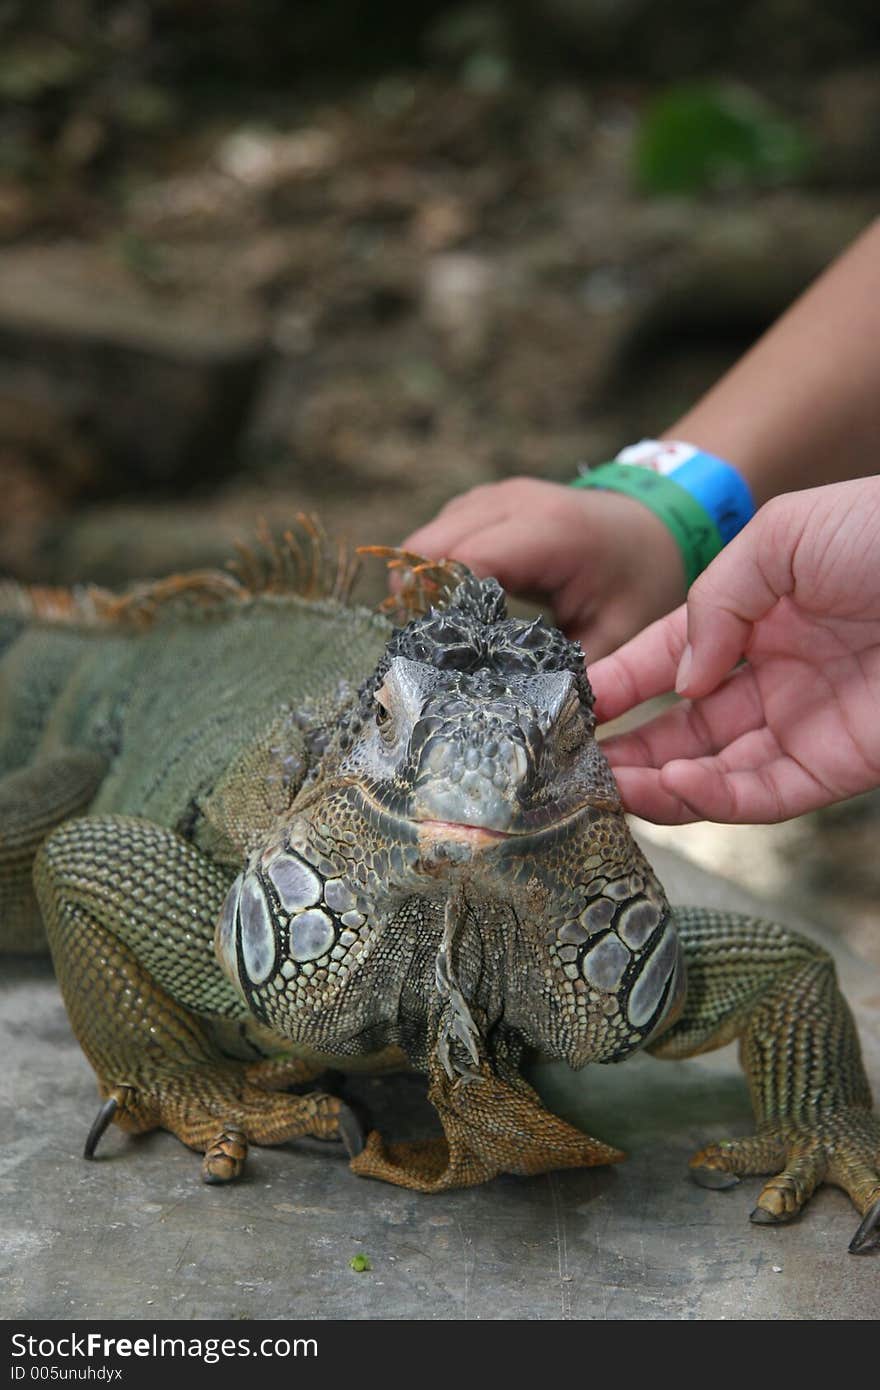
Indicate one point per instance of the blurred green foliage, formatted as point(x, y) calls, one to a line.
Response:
point(696, 137)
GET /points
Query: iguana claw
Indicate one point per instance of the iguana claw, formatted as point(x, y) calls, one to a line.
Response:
point(351, 1131)
point(115, 1100)
point(865, 1238)
point(714, 1178)
point(762, 1217)
point(100, 1124)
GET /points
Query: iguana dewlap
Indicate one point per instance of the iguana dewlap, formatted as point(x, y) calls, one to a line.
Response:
point(272, 833)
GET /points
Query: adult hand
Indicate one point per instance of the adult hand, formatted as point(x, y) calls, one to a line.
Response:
point(797, 594)
point(602, 561)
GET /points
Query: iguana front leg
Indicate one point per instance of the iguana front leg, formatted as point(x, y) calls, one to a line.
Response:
point(130, 911)
point(777, 993)
point(33, 801)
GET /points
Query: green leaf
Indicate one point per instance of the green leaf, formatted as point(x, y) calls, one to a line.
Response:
point(698, 137)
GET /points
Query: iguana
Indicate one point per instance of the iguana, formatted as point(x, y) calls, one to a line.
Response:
point(269, 832)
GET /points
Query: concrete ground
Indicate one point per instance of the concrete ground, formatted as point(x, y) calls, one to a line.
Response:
point(137, 1235)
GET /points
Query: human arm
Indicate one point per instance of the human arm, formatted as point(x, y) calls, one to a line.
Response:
point(802, 407)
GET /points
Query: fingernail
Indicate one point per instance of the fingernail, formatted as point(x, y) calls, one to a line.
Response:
point(684, 670)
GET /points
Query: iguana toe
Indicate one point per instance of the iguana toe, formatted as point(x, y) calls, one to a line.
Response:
point(841, 1147)
point(224, 1157)
point(220, 1110)
point(787, 1192)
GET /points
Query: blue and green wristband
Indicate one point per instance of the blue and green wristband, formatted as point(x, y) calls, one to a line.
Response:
point(702, 500)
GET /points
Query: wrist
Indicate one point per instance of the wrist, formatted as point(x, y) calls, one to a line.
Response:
point(744, 442)
point(702, 500)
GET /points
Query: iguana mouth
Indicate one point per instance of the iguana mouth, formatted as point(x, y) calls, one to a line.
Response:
point(474, 835)
point(541, 824)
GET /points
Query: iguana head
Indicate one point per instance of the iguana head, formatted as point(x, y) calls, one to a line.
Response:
point(465, 773)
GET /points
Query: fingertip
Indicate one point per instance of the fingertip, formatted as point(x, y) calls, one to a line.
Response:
point(614, 692)
point(420, 543)
point(716, 642)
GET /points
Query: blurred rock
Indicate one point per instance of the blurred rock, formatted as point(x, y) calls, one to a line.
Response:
point(159, 387)
point(263, 159)
point(440, 222)
point(747, 265)
point(847, 113)
point(192, 204)
point(113, 545)
point(16, 209)
point(460, 306)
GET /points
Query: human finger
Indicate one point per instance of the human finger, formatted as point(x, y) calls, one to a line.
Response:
point(736, 591)
point(643, 794)
point(757, 796)
point(525, 558)
point(640, 669)
point(462, 517)
point(692, 729)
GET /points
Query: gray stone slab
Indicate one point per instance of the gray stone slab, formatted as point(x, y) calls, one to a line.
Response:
point(137, 1235)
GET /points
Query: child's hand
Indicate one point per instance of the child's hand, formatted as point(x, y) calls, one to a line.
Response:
point(604, 563)
point(797, 594)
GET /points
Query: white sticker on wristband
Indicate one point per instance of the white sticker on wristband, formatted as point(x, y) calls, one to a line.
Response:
point(660, 455)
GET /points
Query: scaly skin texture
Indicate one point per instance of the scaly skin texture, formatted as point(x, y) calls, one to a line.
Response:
point(273, 833)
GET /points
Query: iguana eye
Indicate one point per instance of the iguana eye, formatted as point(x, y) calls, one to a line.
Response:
point(383, 713)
